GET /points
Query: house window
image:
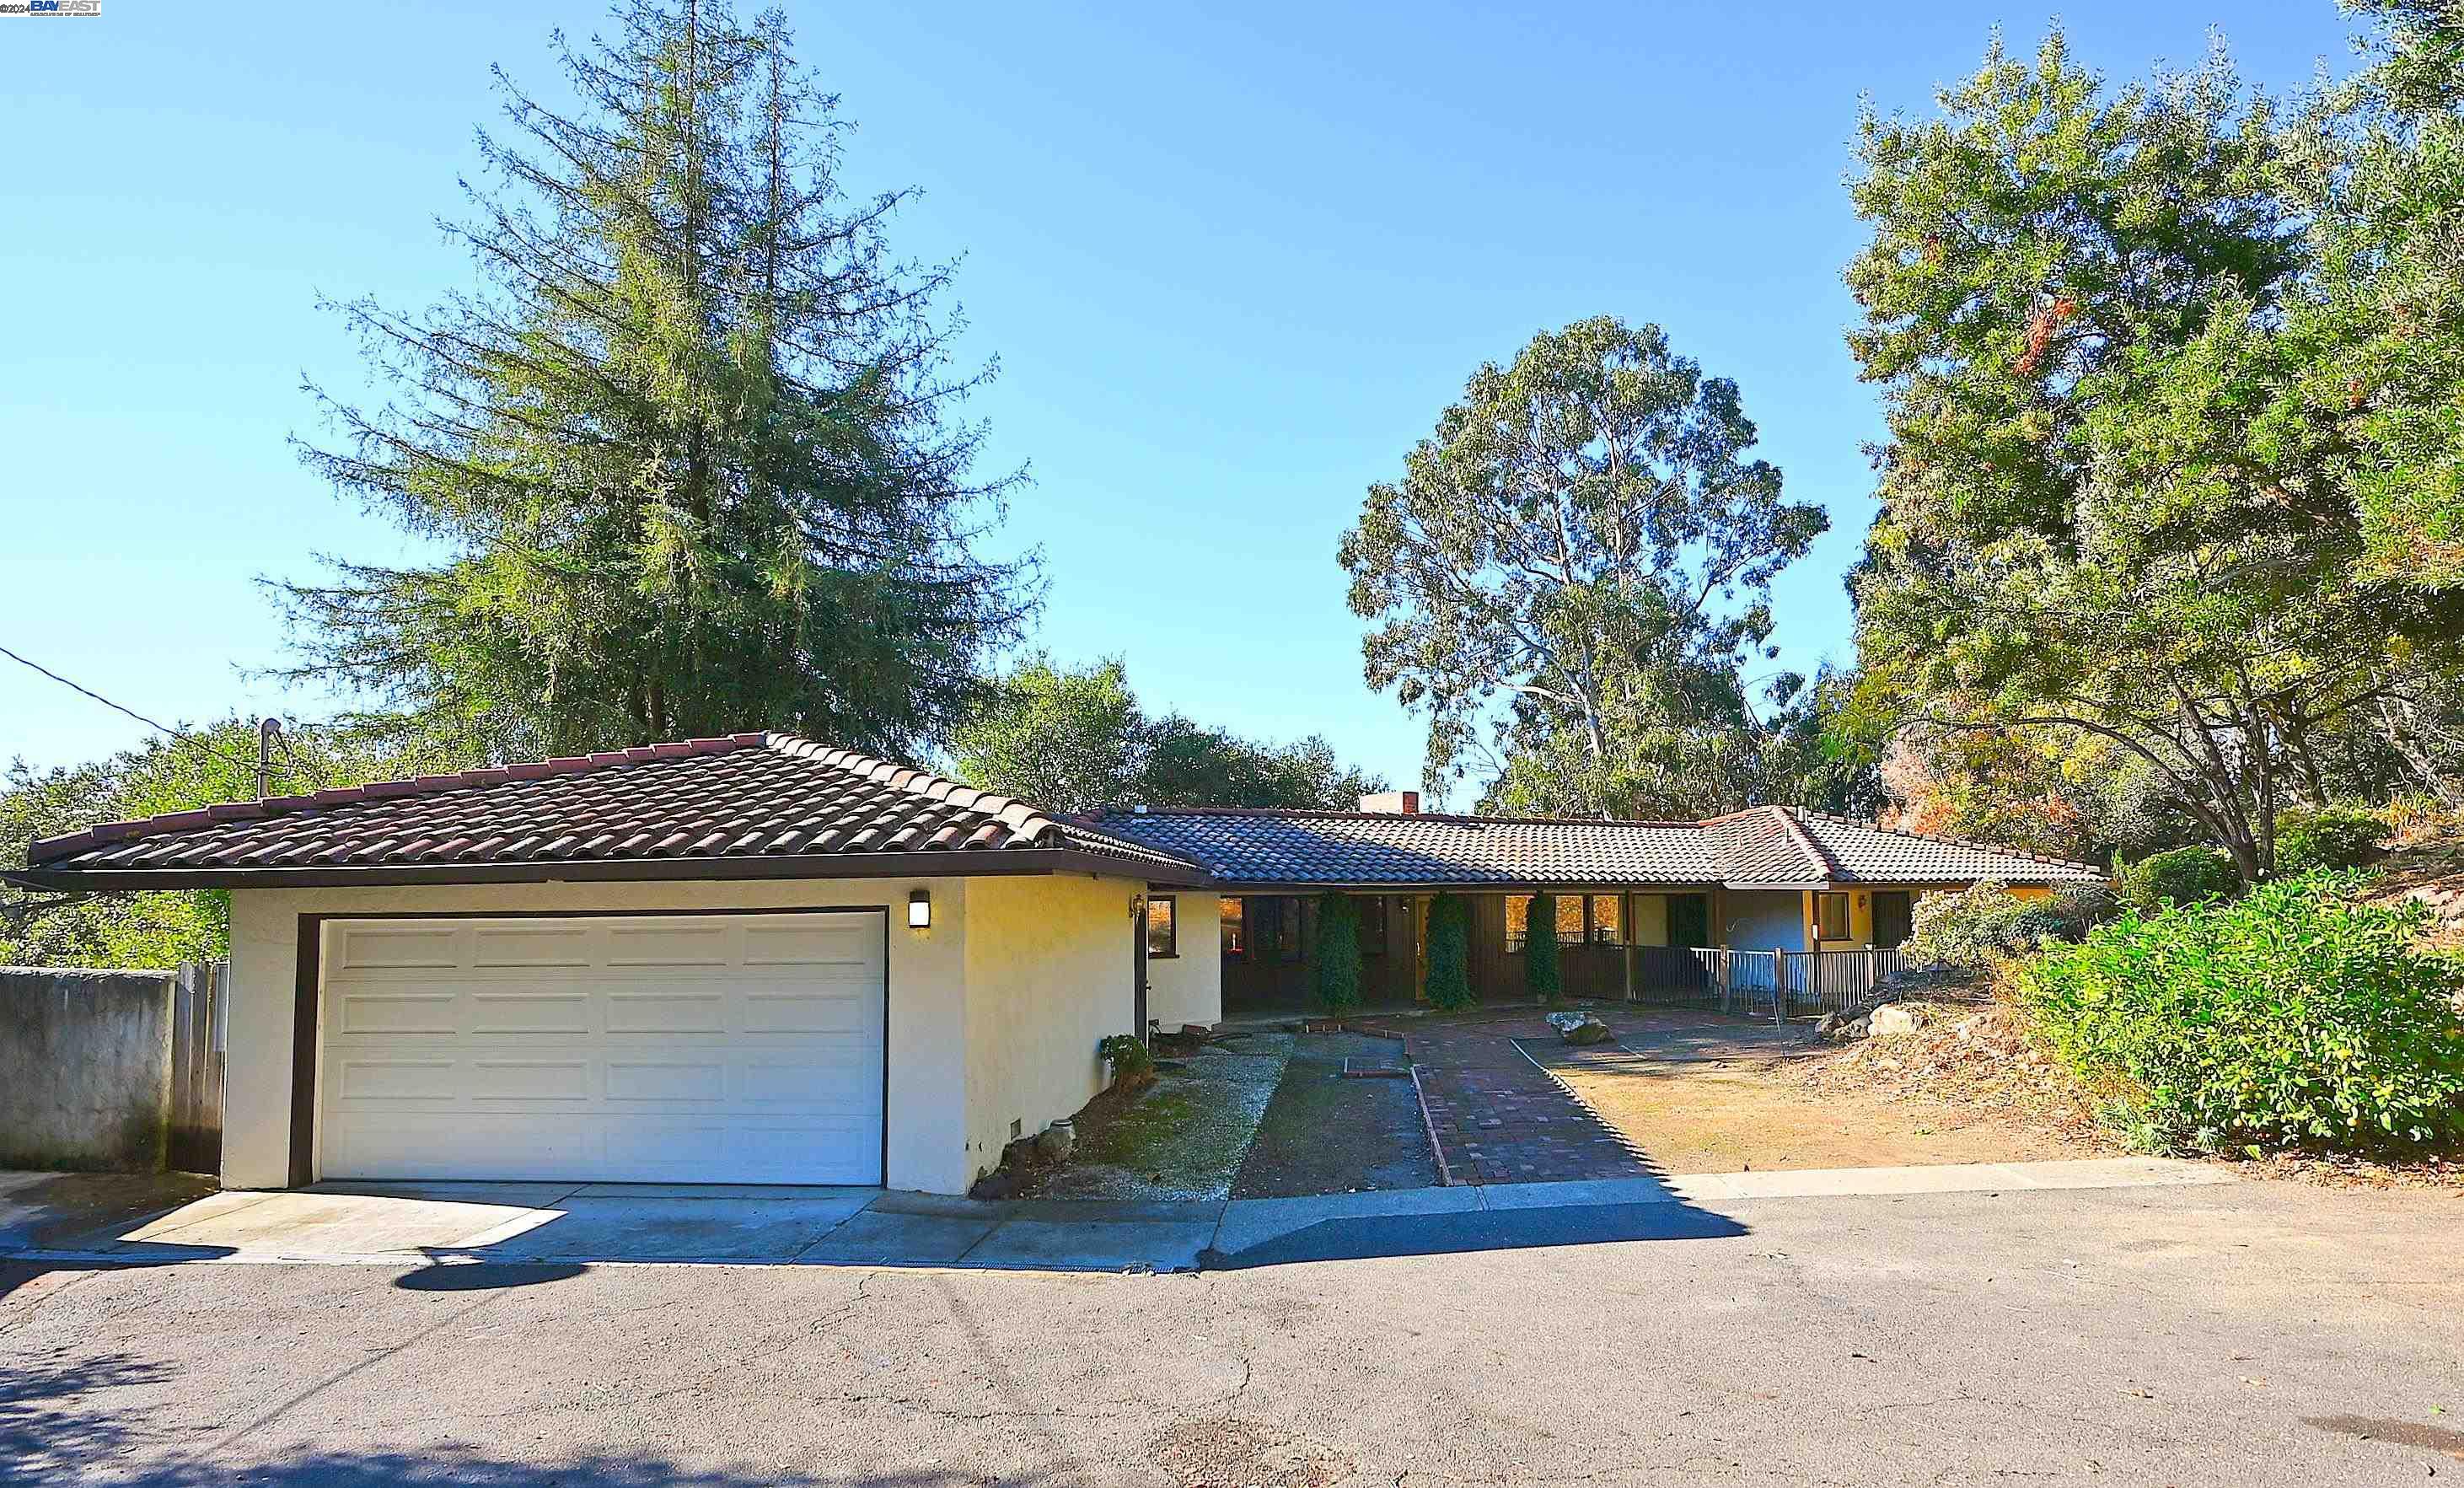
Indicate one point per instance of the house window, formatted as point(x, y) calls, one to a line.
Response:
point(1518, 921)
point(1607, 919)
point(1288, 929)
point(1831, 917)
point(1163, 932)
point(1373, 924)
point(1570, 919)
point(1235, 928)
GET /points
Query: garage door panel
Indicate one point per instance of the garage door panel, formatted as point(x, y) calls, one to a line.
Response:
point(505, 1011)
point(806, 945)
point(670, 946)
point(368, 1013)
point(688, 1062)
point(364, 1080)
point(667, 1012)
point(492, 947)
point(667, 1081)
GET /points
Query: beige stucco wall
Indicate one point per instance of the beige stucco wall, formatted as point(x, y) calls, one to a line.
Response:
point(994, 1012)
point(1189, 988)
point(1048, 967)
point(1651, 920)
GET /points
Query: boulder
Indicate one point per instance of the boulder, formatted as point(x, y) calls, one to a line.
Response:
point(1579, 1028)
point(1053, 1144)
point(1894, 1019)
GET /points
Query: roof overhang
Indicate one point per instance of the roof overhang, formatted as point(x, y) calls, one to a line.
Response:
point(988, 862)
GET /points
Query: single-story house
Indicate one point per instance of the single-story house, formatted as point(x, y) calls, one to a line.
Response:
point(757, 958)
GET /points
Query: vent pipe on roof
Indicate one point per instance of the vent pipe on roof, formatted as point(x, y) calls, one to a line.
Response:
point(1392, 803)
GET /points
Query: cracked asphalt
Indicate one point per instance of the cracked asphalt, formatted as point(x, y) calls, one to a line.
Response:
point(2257, 1333)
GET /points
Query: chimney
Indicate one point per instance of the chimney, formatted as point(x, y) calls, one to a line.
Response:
point(1392, 803)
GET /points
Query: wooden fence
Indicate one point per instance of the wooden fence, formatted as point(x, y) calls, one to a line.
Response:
point(198, 1035)
point(1772, 983)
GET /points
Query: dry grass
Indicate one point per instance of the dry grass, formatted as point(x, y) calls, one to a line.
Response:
point(1971, 1056)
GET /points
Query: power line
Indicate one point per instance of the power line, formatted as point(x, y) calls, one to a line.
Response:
point(189, 738)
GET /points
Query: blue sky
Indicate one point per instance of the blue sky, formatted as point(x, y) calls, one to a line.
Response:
point(1233, 262)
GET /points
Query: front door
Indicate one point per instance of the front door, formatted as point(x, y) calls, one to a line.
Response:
point(1891, 911)
point(1689, 920)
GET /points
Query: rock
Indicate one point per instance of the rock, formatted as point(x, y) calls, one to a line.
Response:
point(1579, 1028)
point(1894, 1019)
point(1000, 1183)
point(1053, 1144)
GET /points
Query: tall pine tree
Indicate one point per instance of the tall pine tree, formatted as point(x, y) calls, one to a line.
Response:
point(691, 451)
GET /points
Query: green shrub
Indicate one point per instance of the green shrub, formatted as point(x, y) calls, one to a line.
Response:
point(1449, 974)
point(2295, 1014)
point(2184, 876)
point(1337, 955)
point(2327, 836)
point(1132, 1064)
point(1979, 925)
point(1541, 976)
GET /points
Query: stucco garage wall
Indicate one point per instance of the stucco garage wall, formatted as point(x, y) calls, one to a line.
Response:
point(1761, 920)
point(1048, 967)
point(928, 1004)
point(1189, 988)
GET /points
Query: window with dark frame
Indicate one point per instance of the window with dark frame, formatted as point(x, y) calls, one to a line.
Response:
point(1518, 922)
point(1288, 929)
point(1163, 928)
point(1372, 916)
point(1234, 927)
point(1607, 919)
point(1570, 919)
point(1830, 922)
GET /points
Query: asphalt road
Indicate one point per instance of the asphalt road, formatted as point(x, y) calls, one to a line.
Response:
point(2246, 1333)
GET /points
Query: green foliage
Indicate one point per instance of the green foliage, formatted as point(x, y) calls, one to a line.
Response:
point(1574, 569)
point(2112, 525)
point(215, 763)
point(1982, 924)
point(689, 449)
point(1076, 740)
point(1449, 952)
point(1131, 1063)
point(2327, 836)
point(1067, 740)
point(1542, 977)
point(2295, 1014)
point(1335, 957)
point(2184, 876)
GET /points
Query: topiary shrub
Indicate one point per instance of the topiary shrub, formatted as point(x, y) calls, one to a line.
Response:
point(1337, 955)
point(2184, 876)
point(2327, 836)
point(1979, 925)
point(2297, 1015)
point(1541, 974)
point(1449, 973)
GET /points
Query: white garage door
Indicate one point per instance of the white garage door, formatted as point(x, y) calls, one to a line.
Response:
point(614, 1049)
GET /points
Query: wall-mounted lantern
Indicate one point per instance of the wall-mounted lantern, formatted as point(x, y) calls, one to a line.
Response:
point(919, 910)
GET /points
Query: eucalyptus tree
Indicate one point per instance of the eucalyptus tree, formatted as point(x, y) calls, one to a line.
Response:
point(688, 451)
point(1581, 553)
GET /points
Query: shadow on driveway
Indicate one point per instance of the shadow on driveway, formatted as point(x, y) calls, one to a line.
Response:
point(1464, 1232)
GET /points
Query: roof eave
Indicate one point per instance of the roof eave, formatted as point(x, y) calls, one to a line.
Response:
point(986, 862)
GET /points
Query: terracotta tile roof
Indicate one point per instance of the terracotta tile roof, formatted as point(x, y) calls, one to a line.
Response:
point(1366, 848)
point(742, 796)
point(1863, 851)
point(1765, 847)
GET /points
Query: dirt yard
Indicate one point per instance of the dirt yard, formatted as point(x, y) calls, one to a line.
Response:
point(1703, 1094)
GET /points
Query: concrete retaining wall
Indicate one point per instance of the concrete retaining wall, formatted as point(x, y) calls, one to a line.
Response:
point(85, 1068)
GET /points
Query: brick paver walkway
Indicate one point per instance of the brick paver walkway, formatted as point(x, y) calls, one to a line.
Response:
point(1500, 1118)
